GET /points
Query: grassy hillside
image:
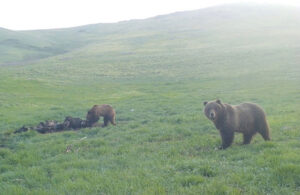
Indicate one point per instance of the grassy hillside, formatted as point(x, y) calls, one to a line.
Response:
point(156, 73)
point(175, 30)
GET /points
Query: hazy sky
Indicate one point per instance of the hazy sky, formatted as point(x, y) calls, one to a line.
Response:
point(43, 14)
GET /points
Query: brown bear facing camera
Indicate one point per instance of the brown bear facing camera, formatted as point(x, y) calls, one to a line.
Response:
point(246, 118)
point(97, 111)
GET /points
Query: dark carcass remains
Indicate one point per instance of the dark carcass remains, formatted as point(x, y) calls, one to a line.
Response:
point(51, 126)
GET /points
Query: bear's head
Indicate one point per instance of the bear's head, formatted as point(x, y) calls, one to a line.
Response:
point(92, 116)
point(213, 110)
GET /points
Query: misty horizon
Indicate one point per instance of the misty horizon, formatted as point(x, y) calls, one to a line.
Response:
point(274, 4)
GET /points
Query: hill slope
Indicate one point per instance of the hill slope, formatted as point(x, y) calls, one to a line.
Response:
point(239, 25)
point(156, 73)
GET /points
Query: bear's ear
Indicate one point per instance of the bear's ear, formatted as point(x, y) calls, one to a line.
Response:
point(218, 101)
point(204, 103)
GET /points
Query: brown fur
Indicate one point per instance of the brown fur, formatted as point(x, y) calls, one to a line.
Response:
point(246, 118)
point(97, 111)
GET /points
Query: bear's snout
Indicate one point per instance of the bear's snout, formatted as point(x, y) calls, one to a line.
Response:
point(212, 116)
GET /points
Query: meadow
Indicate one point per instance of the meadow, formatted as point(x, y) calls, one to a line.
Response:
point(157, 79)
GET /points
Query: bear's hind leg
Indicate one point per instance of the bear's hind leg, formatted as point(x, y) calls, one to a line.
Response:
point(264, 131)
point(265, 135)
point(247, 138)
point(113, 121)
point(105, 122)
point(227, 138)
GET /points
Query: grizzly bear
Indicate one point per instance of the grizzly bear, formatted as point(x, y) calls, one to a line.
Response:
point(246, 118)
point(105, 110)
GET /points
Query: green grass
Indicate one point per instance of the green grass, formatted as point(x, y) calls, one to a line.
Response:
point(162, 144)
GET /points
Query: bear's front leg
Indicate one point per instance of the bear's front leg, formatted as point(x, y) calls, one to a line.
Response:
point(227, 138)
